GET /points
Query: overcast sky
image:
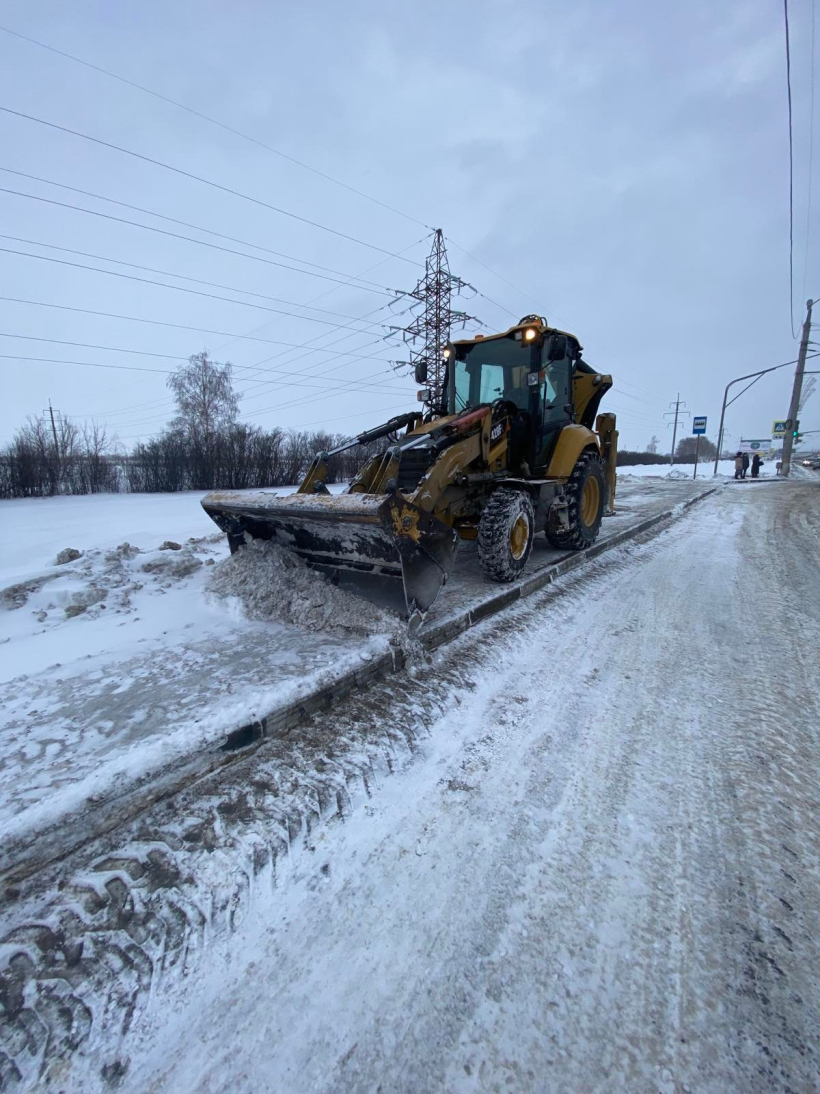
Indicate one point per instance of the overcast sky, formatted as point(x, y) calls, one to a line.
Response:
point(620, 168)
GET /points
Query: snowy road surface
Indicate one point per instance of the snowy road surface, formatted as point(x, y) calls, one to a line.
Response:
point(592, 865)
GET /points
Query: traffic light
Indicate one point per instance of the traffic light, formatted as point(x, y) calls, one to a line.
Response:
point(796, 429)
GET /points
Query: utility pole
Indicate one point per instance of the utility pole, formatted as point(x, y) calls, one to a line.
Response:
point(54, 429)
point(678, 412)
point(431, 325)
point(794, 406)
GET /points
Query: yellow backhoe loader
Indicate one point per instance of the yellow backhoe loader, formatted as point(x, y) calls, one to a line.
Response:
point(508, 451)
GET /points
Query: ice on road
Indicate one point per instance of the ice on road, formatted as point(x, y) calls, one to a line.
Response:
point(599, 872)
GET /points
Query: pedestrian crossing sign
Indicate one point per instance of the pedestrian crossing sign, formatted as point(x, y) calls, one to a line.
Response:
point(779, 429)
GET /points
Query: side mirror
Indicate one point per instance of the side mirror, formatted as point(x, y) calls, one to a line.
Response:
point(558, 348)
point(421, 372)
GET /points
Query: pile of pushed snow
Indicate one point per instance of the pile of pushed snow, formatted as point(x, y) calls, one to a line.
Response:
point(272, 584)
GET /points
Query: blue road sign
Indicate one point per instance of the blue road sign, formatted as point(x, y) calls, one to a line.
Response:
point(698, 426)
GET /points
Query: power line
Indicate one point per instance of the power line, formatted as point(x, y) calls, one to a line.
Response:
point(369, 286)
point(335, 288)
point(176, 326)
point(811, 155)
point(319, 421)
point(198, 178)
point(202, 330)
point(358, 414)
point(90, 364)
point(289, 381)
point(266, 385)
point(181, 277)
point(294, 403)
point(163, 285)
point(324, 334)
point(495, 273)
point(349, 386)
point(345, 387)
point(214, 121)
point(791, 167)
point(538, 303)
point(168, 356)
point(166, 372)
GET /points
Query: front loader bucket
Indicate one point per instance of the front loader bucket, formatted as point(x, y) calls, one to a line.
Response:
point(371, 533)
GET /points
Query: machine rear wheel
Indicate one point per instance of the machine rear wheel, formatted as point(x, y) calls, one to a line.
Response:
point(505, 534)
point(585, 494)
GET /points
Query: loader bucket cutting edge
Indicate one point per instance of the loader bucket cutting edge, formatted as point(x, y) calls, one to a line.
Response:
point(382, 534)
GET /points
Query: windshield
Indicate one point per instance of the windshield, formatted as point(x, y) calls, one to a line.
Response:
point(493, 369)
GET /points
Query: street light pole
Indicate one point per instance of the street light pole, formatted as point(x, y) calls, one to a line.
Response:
point(794, 406)
point(754, 377)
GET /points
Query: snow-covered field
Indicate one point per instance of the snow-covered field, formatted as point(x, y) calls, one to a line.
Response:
point(122, 660)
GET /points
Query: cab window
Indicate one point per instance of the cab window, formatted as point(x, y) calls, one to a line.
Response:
point(497, 368)
point(492, 383)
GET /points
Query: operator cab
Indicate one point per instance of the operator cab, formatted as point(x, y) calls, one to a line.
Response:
point(526, 375)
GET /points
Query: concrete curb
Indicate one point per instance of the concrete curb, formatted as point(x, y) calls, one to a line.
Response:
point(20, 858)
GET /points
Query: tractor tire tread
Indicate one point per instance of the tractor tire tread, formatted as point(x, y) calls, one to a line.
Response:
point(576, 538)
point(501, 510)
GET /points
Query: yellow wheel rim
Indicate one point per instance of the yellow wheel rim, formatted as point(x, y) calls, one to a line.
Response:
point(519, 534)
point(590, 501)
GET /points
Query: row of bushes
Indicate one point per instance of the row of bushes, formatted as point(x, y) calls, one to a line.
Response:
point(84, 461)
point(628, 458)
point(239, 457)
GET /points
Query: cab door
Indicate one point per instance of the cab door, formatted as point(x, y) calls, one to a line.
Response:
point(555, 398)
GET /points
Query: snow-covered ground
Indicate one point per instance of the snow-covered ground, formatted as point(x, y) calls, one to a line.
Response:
point(123, 662)
point(598, 876)
point(726, 470)
point(127, 591)
point(576, 851)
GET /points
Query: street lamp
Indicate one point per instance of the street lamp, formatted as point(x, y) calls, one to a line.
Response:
point(754, 377)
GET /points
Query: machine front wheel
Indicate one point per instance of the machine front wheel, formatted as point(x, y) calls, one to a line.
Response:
point(505, 534)
point(585, 494)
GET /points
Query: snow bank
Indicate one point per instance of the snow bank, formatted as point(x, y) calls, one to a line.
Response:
point(268, 582)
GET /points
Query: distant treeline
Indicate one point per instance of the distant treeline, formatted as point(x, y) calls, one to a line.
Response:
point(238, 457)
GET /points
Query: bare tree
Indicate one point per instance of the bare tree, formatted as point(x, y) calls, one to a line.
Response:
point(97, 471)
point(205, 398)
point(207, 408)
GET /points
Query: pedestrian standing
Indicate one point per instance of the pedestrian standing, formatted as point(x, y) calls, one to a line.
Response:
point(757, 463)
point(745, 458)
point(738, 466)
